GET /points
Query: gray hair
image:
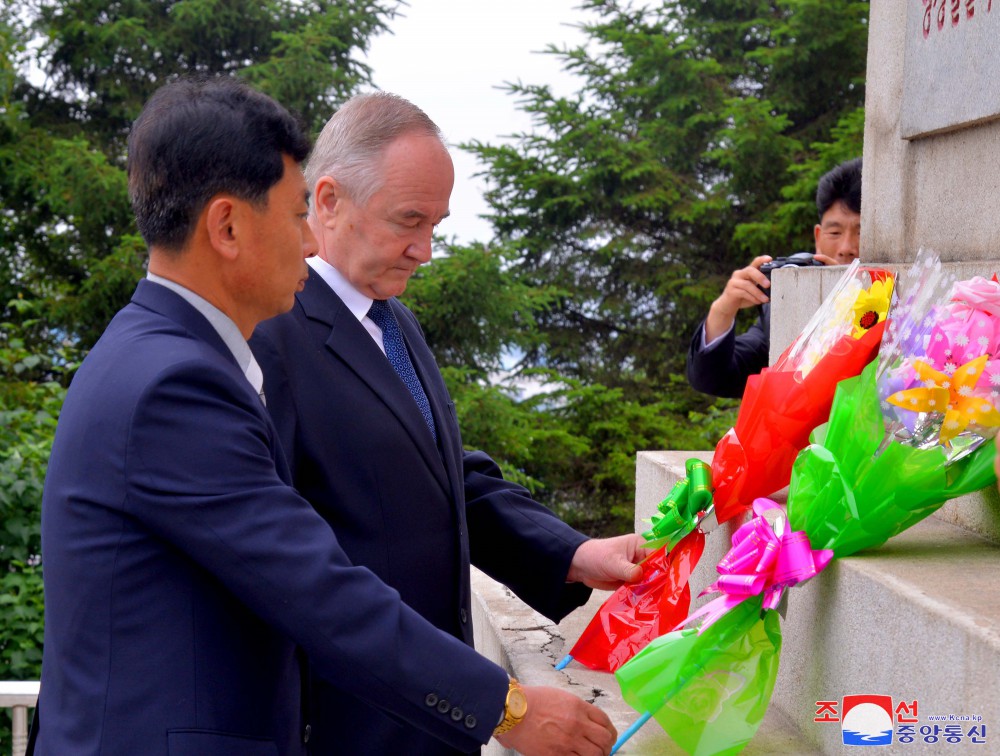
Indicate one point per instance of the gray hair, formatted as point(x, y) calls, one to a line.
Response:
point(353, 140)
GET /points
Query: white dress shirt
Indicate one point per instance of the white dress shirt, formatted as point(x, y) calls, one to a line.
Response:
point(356, 302)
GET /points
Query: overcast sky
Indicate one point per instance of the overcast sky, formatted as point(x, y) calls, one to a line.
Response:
point(449, 56)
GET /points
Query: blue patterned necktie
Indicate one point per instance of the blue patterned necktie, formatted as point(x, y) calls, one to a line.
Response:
point(395, 349)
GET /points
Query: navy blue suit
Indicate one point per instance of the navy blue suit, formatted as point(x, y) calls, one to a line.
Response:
point(413, 512)
point(181, 570)
point(723, 370)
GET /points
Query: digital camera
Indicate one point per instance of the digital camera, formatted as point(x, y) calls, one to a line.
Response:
point(797, 260)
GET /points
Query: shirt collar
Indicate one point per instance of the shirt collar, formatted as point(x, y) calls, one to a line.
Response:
point(354, 300)
point(223, 325)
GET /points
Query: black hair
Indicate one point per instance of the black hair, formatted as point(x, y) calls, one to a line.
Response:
point(842, 184)
point(197, 137)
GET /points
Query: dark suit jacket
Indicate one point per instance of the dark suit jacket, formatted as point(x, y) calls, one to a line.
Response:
point(723, 370)
point(414, 513)
point(181, 570)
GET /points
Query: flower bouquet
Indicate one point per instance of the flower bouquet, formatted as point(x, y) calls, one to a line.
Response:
point(786, 401)
point(636, 613)
point(709, 686)
point(913, 430)
point(780, 406)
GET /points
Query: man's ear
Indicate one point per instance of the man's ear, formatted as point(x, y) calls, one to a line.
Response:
point(817, 230)
point(222, 217)
point(326, 196)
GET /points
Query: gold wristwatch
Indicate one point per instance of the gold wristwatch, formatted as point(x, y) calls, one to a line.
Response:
point(514, 708)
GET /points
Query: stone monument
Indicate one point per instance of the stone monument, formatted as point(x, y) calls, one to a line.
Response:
point(919, 618)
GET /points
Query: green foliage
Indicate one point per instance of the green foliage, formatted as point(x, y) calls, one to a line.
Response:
point(473, 311)
point(695, 123)
point(106, 59)
point(67, 236)
point(22, 602)
point(30, 400)
point(595, 489)
point(573, 445)
point(695, 142)
point(523, 440)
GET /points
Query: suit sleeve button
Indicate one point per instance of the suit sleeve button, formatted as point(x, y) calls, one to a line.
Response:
point(443, 706)
point(470, 722)
point(464, 616)
point(431, 699)
point(457, 714)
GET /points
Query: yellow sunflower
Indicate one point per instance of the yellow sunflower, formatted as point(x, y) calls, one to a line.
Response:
point(871, 306)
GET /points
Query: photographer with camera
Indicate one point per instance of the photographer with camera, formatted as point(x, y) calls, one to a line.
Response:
point(719, 361)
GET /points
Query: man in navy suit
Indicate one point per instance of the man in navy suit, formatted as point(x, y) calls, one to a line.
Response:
point(183, 573)
point(719, 362)
point(394, 482)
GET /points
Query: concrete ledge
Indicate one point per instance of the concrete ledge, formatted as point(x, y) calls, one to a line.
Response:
point(918, 618)
point(528, 645)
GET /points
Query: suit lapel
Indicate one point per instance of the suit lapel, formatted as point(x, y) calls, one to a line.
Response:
point(169, 304)
point(353, 345)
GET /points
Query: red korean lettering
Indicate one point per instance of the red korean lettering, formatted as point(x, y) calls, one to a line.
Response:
point(909, 709)
point(826, 711)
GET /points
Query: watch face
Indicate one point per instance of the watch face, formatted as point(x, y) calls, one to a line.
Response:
point(517, 704)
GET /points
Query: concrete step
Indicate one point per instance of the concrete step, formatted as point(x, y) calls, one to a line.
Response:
point(917, 619)
point(977, 512)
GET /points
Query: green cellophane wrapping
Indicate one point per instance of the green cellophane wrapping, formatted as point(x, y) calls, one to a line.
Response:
point(847, 498)
point(709, 692)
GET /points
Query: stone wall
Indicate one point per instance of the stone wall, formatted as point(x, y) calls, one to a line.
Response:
point(941, 191)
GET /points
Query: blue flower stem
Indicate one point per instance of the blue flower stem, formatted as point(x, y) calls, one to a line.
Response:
point(630, 732)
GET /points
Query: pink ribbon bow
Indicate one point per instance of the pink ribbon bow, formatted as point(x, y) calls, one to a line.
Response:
point(765, 559)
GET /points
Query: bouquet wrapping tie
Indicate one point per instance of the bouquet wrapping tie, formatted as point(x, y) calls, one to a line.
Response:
point(766, 558)
point(681, 512)
point(783, 404)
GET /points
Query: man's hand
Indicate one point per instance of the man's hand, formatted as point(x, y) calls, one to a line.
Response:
point(560, 724)
point(606, 563)
point(742, 291)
